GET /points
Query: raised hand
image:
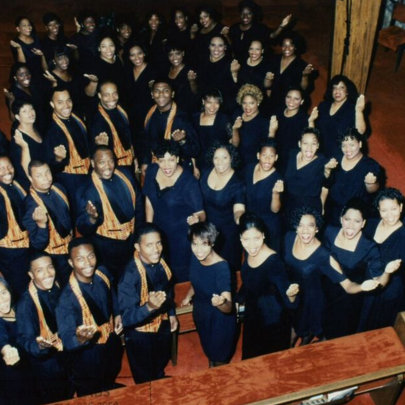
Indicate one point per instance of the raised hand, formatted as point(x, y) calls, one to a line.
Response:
point(293, 290)
point(235, 66)
point(225, 31)
point(19, 140)
point(101, 139)
point(92, 78)
point(156, 299)
point(40, 216)
point(178, 135)
point(9, 95)
point(286, 20)
point(37, 52)
point(360, 103)
point(60, 152)
point(14, 44)
point(308, 70)
point(217, 300)
point(238, 123)
point(273, 126)
point(314, 115)
point(50, 77)
point(191, 75)
point(84, 333)
point(91, 210)
point(370, 178)
point(278, 186)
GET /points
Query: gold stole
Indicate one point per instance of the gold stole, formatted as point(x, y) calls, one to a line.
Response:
point(76, 164)
point(124, 157)
point(15, 238)
point(57, 244)
point(152, 326)
point(111, 226)
point(44, 330)
point(106, 328)
point(170, 120)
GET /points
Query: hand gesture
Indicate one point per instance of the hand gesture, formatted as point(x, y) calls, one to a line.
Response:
point(9, 96)
point(217, 300)
point(293, 290)
point(191, 75)
point(273, 126)
point(308, 70)
point(194, 29)
point(286, 20)
point(360, 103)
point(14, 44)
point(238, 123)
point(393, 266)
point(332, 164)
point(156, 299)
point(77, 24)
point(101, 139)
point(72, 46)
point(43, 343)
point(235, 66)
point(118, 326)
point(84, 333)
point(92, 78)
point(40, 216)
point(225, 31)
point(37, 52)
point(193, 219)
point(314, 115)
point(269, 76)
point(19, 140)
point(174, 323)
point(91, 210)
point(59, 152)
point(10, 355)
point(51, 78)
point(186, 301)
point(370, 178)
point(278, 186)
point(369, 285)
point(178, 135)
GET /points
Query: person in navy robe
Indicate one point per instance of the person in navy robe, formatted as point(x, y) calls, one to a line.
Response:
point(110, 206)
point(47, 217)
point(37, 331)
point(145, 297)
point(89, 322)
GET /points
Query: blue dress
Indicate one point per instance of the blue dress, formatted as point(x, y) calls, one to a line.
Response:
point(384, 304)
point(258, 200)
point(343, 311)
point(216, 329)
point(308, 320)
point(252, 134)
point(303, 186)
point(267, 326)
point(171, 206)
point(347, 184)
point(333, 126)
point(219, 209)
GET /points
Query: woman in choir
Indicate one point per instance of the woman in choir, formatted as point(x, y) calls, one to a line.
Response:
point(342, 108)
point(357, 175)
point(308, 262)
point(250, 128)
point(264, 188)
point(16, 385)
point(266, 292)
point(211, 294)
point(26, 143)
point(360, 260)
point(211, 125)
point(388, 232)
point(173, 201)
point(224, 200)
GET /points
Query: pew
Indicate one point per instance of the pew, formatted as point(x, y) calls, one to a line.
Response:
point(373, 361)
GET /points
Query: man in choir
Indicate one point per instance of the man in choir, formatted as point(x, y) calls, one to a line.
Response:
point(38, 333)
point(165, 121)
point(110, 205)
point(67, 143)
point(47, 217)
point(110, 126)
point(89, 322)
point(14, 240)
point(145, 296)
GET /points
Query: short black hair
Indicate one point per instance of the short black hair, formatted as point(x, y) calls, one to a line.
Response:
point(167, 146)
point(18, 104)
point(356, 204)
point(75, 242)
point(35, 163)
point(144, 229)
point(267, 143)
point(58, 89)
point(250, 220)
point(313, 131)
point(101, 148)
point(203, 230)
point(49, 17)
point(37, 254)
point(298, 213)
point(352, 92)
point(161, 79)
point(389, 193)
point(233, 152)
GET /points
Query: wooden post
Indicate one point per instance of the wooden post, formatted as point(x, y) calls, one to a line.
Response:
point(363, 17)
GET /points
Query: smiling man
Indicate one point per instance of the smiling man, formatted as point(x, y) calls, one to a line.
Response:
point(109, 206)
point(47, 217)
point(38, 333)
point(66, 143)
point(145, 296)
point(110, 125)
point(89, 322)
